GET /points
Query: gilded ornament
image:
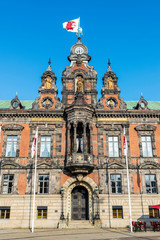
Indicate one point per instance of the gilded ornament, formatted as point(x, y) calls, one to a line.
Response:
point(48, 83)
point(110, 84)
point(80, 84)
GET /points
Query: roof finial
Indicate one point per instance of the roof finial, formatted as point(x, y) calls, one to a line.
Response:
point(79, 33)
point(16, 94)
point(109, 66)
point(49, 62)
point(141, 94)
point(49, 65)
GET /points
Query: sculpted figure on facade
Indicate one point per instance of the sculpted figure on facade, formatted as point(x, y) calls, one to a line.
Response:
point(110, 84)
point(48, 83)
point(80, 84)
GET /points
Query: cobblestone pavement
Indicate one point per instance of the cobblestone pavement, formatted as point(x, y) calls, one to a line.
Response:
point(79, 234)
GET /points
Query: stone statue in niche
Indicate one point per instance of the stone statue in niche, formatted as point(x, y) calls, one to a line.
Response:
point(110, 84)
point(48, 83)
point(80, 84)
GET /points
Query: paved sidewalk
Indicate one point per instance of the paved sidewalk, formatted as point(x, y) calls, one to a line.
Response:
point(79, 234)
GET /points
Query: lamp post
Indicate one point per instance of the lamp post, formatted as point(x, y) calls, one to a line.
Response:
point(62, 194)
point(97, 203)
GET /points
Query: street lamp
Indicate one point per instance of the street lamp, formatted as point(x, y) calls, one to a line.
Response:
point(62, 194)
point(97, 203)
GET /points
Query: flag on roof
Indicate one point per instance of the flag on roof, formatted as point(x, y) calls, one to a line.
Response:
point(72, 25)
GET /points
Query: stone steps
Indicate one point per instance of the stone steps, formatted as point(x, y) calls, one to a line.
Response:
point(80, 224)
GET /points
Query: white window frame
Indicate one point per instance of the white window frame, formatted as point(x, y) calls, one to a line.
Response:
point(113, 146)
point(46, 141)
point(147, 150)
point(11, 146)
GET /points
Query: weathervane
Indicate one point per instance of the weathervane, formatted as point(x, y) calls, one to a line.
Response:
point(79, 33)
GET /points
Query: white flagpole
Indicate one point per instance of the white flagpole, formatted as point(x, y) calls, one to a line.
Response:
point(129, 198)
point(34, 192)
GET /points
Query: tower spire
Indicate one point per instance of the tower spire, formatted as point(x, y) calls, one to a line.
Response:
point(49, 65)
point(109, 66)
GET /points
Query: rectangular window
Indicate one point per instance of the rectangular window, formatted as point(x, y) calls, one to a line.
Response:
point(151, 186)
point(116, 183)
point(4, 212)
point(117, 211)
point(113, 146)
point(153, 212)
point(43, 184)
point(42, 212)
point(8, 183)
point(45, 146)
point(146, 146)
point(11, 146)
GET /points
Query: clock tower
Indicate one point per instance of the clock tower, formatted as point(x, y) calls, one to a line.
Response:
point(79, 76)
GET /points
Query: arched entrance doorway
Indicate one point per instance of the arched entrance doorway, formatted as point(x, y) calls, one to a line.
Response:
point(79, 203)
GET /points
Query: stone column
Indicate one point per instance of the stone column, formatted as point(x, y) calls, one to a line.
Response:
point(84, 139)
point(68, 139)
point(75, 139)
point(91, 144)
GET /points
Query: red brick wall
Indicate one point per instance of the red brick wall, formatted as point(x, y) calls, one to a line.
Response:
point(134, 146)
point(25, 138)
point(157, 140)
point(21, 184)
point(137, 185)
point(79, 67)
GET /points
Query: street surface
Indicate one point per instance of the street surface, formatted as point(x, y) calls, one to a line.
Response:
point(79, 234)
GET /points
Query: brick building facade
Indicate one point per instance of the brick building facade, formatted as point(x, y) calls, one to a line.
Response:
point(81, 168)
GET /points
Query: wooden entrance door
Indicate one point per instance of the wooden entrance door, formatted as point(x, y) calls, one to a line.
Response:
point(79, 203)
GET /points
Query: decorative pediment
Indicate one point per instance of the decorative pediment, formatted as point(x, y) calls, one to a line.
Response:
point(116, 165)
point(150, 165)
point(48, 128)
point(12, 127)
point(10, 164)
point(43, 165)
point(112, 128)
point(145, 127)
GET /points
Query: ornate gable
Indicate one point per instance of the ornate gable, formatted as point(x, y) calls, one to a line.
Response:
point(79, 76)
point(48, 92)
point(110, 92)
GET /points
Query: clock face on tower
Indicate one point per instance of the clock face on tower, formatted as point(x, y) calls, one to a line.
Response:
point(79, 50)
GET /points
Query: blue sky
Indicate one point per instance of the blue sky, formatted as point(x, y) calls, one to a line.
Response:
point(127, 32)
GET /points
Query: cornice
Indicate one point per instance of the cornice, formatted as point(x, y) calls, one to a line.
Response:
point(116, 113)
point(31, 113)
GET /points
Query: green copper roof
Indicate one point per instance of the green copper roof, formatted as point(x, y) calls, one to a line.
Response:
point(153, 105)
point(6, 104)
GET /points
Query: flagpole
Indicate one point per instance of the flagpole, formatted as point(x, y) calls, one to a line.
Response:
point(129, 198)
point(34, 192)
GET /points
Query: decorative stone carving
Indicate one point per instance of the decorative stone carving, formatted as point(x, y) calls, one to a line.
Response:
point(48, 83)
point(110, 84)
point(12, 127)
point(145, 127)
point(79, 177)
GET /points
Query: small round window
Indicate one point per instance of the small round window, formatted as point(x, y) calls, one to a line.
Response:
point(15, 104)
